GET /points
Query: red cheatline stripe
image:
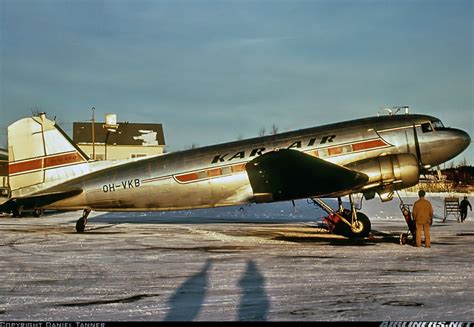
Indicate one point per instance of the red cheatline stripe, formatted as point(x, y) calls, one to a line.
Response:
point(187, 177)
point(368, 145)
point(214, 172)
point(63, 159)
point(35, 164)
point(336, 150)
point(46, 162)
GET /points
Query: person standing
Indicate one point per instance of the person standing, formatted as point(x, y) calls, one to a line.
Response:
point(423, 216)
point(463, 208)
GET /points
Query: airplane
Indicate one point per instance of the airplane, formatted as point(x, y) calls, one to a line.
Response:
point(369, 156)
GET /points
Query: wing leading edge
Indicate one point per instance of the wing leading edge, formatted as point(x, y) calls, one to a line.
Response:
point(289, 174)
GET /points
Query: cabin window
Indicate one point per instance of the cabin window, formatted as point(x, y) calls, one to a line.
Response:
point(335, 150)
point(226, 171)
point(437, 124)
point(426, 128)
point(323, 152)
point(214, 172)
point(347, 148)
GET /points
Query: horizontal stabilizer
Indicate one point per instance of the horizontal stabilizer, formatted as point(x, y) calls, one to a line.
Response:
point(289, 174)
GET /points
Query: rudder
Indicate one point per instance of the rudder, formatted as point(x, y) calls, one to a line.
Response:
point(40, 154)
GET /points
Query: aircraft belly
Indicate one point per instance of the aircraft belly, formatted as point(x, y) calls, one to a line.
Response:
point(231, 190)
point(168, 194)
point(74, 203)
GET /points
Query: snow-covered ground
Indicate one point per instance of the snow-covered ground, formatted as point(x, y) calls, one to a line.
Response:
point(258, 262)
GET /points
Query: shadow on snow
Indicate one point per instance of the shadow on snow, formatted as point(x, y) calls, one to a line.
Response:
point(187, 301)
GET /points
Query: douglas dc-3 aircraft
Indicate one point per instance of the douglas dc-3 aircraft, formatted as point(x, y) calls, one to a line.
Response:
point(377, 155)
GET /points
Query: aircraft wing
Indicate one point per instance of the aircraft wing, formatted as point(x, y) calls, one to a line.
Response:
point(288, 174)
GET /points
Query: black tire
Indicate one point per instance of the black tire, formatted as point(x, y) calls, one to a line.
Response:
point(364, 228)
point(37, 212)
point(81, 225)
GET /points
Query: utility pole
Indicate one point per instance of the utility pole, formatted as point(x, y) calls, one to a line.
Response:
point(93, 134)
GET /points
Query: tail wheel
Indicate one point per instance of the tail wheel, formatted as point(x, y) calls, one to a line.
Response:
point(81, 225)
point(82, 222)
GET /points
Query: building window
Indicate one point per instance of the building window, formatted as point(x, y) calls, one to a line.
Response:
point(99, 156)
point(138, 155)
point(4, 193)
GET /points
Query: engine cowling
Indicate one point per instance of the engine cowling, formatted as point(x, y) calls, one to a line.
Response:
point(389, 172)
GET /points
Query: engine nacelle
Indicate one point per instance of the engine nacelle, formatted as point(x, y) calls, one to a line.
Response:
point(388, 173)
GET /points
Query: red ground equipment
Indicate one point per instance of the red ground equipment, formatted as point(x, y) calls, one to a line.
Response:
point(405, 209)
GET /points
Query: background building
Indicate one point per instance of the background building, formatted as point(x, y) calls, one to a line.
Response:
point(124, 141)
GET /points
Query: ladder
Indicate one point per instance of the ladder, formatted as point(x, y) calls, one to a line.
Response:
point(451, 207)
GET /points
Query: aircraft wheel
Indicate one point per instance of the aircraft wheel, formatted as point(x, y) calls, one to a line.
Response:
point(81, 225)
point(37, 212)
point(16, 212)
point(362, 228)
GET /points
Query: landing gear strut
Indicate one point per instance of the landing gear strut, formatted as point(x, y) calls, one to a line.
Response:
point(348, 223)
point(82, 222)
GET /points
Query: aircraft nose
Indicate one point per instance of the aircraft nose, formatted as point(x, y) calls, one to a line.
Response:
point(461, 140)
point(447, 144)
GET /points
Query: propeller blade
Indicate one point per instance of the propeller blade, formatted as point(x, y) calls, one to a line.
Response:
point(417, 147)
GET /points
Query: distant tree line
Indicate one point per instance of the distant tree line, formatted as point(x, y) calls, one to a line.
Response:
point(273, 131)
point(460, 175)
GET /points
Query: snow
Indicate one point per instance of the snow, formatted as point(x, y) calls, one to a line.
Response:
point(261, 262)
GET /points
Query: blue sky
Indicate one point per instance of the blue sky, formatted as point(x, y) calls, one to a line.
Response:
point(215, 71)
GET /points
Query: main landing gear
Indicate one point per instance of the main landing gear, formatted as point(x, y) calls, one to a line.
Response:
point(348, 223)
point(82, 222)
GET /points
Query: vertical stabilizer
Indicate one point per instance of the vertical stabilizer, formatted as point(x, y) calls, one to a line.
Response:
point(40, 154)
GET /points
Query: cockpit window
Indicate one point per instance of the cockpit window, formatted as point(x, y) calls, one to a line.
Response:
point(437, 124)
point(426, 127)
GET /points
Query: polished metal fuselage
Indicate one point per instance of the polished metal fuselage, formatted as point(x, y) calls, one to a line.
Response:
point(215, 176)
